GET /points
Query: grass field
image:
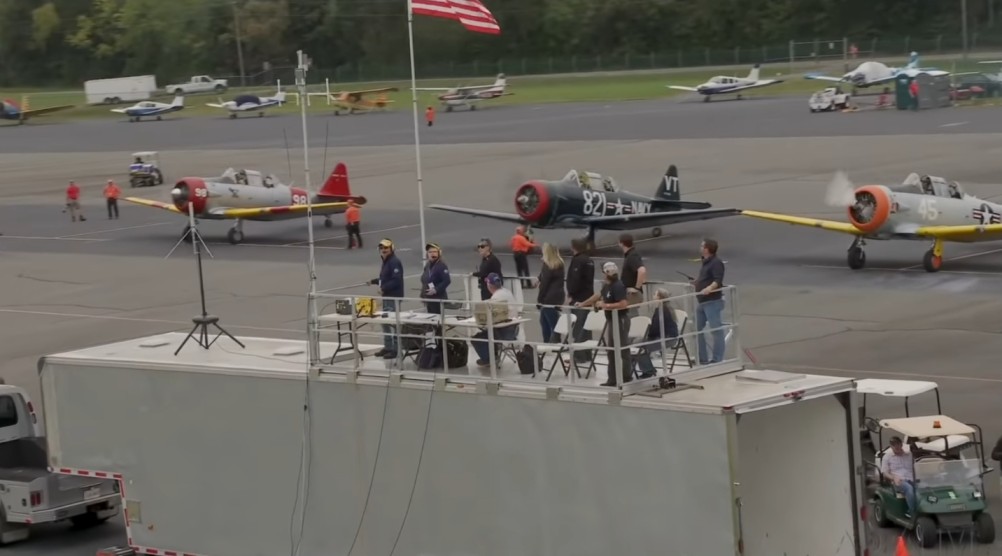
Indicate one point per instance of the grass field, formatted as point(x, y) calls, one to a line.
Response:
point(527, 90)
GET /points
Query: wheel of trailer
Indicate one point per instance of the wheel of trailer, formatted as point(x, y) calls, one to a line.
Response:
point(857, 258)
point(930, 262)
point(926, 532)
point(984, 528)
point(233, 116)
point(159, 118)
point(234, 236)
point(88, 519)
point(879, 515)
point(656, 232)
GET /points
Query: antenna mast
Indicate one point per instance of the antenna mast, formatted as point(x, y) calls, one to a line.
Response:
point(312, 334)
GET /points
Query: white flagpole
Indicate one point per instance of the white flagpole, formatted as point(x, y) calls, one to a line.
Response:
point(417, 136)
point(313, 337)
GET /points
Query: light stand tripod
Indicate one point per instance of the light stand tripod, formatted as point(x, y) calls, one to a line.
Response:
point(203, 321)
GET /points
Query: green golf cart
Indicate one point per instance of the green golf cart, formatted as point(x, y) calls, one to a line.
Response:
point(889, 388)
point(949, 469)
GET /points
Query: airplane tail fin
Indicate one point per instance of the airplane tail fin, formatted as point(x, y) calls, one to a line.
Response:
point(337, 185)
point(753, 74)
point(501, 81)
point(178, 101)
point(280, 97)
point(668, 188)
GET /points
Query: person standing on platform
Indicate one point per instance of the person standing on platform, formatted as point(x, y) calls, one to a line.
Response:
point(489, 264)
point(391, 289)
point(521, 246)
point(612, 300)
point(551, 290)
point(435, 279)
point(710, 301)
point(353, 224)
point(580, 284)
point(73, 202)
point(111, 193)
point(634, 273)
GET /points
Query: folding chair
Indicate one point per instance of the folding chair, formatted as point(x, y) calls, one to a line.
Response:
point(563, 327)
point(682, 320)
point(639, 326)
point(594, 323)
point(508, 348)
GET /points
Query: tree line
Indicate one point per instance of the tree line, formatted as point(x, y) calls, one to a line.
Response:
point(49, 42)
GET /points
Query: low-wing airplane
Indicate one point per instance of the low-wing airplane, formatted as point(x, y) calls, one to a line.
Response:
point(355, 101)
point(469, 96)
point(875, 73)
point(922, 208)
point(148, 108)
point(10, 110)
point(593, 201)
point(248, 195)
point(724, 84)
point(250, 103)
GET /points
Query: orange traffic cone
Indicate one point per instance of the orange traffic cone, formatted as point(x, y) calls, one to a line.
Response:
point(902, 549)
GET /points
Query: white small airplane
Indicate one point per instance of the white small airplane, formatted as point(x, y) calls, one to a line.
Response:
point(250, 103)
point(467, 96)
point(876, 73)
point(724, 84)
point(147, 108)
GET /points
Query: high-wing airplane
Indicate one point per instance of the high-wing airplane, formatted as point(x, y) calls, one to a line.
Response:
point(922, 208)
point(250, 103)
point(355, 101)
point(724, 84)
point(468, 96)
point(593, 201)
point(10, 110)
point(148, 108)
point(248, 195)
point(876, 73)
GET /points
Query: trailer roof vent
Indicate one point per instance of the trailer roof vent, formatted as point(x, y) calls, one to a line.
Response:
point(770, 377)
point(289, 351)
point(153, 343)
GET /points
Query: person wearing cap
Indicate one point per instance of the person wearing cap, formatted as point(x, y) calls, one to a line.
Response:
point(435, 279)
point(499, 295)
point(353, 224)
point(521, 245)
point(897, 465)
point(612, 299)
point(489, 264)
point(111, 193)
point(391, 288)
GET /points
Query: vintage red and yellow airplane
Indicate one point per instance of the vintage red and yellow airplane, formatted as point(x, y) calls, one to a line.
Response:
point(248, 195)
point(355, 101)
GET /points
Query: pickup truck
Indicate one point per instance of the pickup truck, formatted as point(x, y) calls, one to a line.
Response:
point(198, 84)
point(29, 492)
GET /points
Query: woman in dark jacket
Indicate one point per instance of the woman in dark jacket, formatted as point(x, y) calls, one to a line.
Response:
point(551, 290)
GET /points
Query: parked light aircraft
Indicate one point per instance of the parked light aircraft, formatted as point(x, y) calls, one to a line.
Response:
point(876, 73)
point(724, 84)
point(10, 110)
point(249, 195)
point(468, 96)
point(589, 200)
point(922, 208)
point(250, 103)
point(148, 108)
point(355, 101)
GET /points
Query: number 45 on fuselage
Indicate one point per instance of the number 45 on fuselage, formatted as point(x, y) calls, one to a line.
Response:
point(595, 202)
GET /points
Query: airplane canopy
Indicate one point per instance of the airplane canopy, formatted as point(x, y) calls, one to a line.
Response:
point(247, 177)
point(930, 185)
point(247, 99)
point(591, 180)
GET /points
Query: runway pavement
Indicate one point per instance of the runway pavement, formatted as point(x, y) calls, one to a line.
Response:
point(67, 285)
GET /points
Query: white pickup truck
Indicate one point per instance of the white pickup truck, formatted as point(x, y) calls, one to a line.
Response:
point(30, 493)
point(198, 84)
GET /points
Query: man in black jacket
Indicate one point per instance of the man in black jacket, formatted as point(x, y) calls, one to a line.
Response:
point(391, 287)
point(489, 264)
point(580, 285)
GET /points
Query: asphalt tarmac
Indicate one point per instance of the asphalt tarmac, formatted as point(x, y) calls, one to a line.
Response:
point(65, 285)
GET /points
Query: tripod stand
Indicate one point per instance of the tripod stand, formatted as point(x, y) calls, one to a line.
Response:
point(205, 320)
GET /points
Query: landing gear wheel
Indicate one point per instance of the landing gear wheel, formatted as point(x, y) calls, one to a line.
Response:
point(233, 116)
point(260, 114)
point(448, 108)
point(328, 223)
point(706, 98)
point(857, 258)
point(932, 262)
point(656, 232)
point(473, 107)
point(234, 236)
point(159, 118)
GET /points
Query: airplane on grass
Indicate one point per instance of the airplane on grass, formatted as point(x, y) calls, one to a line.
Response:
point(148, 108)
point(920, 208)
point(250, 103)
point(724, 84)
point(468, 96)
point(10, 110)
point(248, 195)
point(875, 73)
point(595, 202)
point(355, 101)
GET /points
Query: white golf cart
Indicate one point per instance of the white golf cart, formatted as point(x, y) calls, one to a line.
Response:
point(828, 100)
point(145, 169)
point(906, 389)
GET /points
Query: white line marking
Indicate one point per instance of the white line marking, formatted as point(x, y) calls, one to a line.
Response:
point(907, 269)
point(113, 230)
point(54, 238)
point(910, 375)
point(315, 240)
point(954, 124)
point(133, 319)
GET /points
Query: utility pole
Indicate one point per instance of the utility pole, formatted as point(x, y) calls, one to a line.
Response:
point(240, 50)
point(963, 25)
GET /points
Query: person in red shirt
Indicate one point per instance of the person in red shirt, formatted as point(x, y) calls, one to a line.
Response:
point(111, 193)
point(429, 115)
point(521, 245)
point(913, 89)
point(73, 202)
point(353, 223)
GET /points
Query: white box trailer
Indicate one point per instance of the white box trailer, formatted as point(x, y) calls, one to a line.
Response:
point(120, 89)
point(209, 448)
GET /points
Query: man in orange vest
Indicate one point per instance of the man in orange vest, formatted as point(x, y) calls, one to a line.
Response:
point(353, 219)
point(429, 115)
point(111, 193)
point(521, 245)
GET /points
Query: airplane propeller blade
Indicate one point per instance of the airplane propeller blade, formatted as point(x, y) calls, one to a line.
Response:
point(841, 192)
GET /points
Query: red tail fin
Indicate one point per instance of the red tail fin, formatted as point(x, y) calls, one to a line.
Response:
point(337, 185)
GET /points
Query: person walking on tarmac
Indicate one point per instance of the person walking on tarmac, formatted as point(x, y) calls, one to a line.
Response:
point(489, 264)
point(353, 222)
point(429, 115)
point(435, 279)
point(521, 245)
point(111, 193)
point(73, 202)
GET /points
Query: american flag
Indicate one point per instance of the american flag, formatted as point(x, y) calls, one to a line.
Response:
point(471, 13)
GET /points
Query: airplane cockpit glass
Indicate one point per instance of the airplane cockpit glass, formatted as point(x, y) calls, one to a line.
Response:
point(608, 184)
point(956, 191)
point(269, 181)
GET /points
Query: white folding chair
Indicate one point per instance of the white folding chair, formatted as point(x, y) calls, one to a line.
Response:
point(594, 323)
point(563, 327)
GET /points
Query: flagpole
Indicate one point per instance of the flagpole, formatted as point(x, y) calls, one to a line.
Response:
point(417, 135)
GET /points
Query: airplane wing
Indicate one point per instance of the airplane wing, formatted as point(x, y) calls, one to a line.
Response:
point(951, 232)
point(155, 204)
point(214, 105)
point(120, 110)
point(629, 221)
point(368, 91)
point(508, 217)
point(39, 111)
point(820, 77)
point(434, 88)
point(682, 88)
point(251, 213)
point(831, 225)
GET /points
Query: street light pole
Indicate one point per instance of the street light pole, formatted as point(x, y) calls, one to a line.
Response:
point(963, 25)
point(240, 50)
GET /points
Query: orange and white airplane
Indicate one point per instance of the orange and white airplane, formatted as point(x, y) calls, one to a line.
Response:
point(355, 101)
point(248, 195)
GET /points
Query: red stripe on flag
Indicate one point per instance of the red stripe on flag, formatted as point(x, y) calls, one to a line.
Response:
point(471, 13)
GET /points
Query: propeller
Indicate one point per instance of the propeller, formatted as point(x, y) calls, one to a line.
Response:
point(841, 192)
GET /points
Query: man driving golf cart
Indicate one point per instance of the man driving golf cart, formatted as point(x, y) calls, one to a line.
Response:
point(898, 466)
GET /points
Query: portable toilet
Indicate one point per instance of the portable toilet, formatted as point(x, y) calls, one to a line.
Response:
point(903, 97)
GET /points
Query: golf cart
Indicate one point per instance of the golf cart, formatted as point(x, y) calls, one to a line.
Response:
point(145, 169)
point(948, 467)
point(906, 389)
